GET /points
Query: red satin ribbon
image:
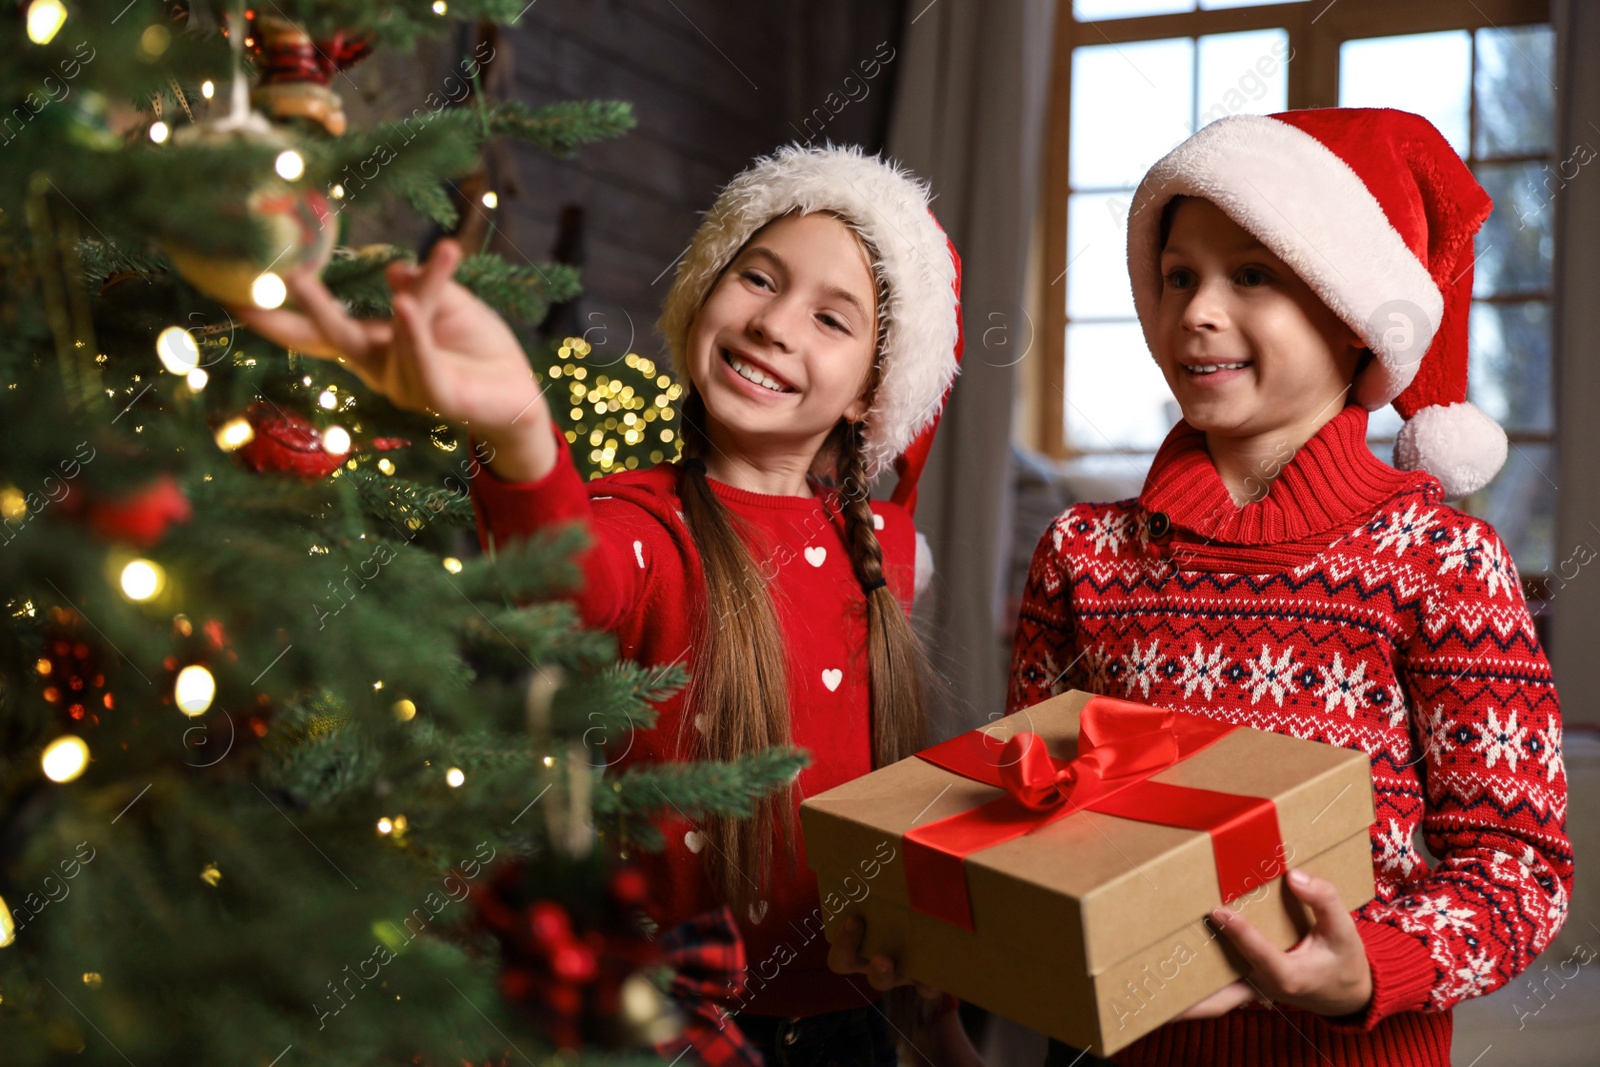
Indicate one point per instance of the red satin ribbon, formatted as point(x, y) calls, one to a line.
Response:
point(1121, 745)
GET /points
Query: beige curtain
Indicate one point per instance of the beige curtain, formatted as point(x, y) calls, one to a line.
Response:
point(1575, 607)
point(969, 115)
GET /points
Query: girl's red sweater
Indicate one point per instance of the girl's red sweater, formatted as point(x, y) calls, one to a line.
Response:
point(643, 582)
point(1350, 607)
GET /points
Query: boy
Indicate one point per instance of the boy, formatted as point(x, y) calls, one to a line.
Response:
point(1291, 273)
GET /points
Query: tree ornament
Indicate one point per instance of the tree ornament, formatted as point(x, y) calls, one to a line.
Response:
point(296, 71)
point(296, 220)
point(71, 671)
point(141, 518)
point(290, 444)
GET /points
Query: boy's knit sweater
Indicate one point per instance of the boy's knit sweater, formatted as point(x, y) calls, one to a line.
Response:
point(1351, 607)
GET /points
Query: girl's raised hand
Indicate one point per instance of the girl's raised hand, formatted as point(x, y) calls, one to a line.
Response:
point(445, 352)
point(1326, 971)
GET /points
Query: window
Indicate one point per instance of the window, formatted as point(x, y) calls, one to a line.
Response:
point(1139, 76)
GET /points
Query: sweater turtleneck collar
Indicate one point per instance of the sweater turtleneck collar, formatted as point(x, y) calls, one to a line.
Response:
point(1332, 479)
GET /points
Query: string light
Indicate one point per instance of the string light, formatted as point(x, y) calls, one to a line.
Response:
point(178, 352)
point(45, 19)
point(159, 132)
point(452, 564)
point(8, 928)
point(155, 40)
point(235, 434)
point(337, 192)
point(289, 165)
point(491, 200)
point(197, 379)
point(211, 875)
point(208, 89)
point(141, 580)
point(194, 690)
point(268, 291)
point(454, 777)
point(385, 825)
point(440, 7)
point(64, 758)
point(386, 465)
point(336, 440)
point(404, 710)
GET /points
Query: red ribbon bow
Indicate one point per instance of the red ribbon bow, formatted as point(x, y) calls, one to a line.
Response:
point(1121, 746)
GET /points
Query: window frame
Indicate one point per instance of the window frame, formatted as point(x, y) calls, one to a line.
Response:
point(1316, 29)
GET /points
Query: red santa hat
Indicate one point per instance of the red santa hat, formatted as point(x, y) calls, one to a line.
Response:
point(915, 263)
point(1375, 211)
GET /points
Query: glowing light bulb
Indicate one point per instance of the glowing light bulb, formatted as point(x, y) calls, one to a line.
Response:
point(268, 291)
point(440, 7)
point(194, 690)
point(336, 440)
point(385, 826)
point(337, 192)
point(328, 400)
point(45, 19)
point(178, 352)
point(64, 758)
point(404, 710)
point(208, 89)
point(235, 434)
point(491, 200)
point(289, 165)
point(197, 379)
point(386, 465)
point(159, 132)
point(454, 777)
point(452, 564)
point(141, 580)
point(8, 928)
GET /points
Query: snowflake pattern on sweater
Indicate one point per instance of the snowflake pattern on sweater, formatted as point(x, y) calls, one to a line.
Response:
point(1401, 632)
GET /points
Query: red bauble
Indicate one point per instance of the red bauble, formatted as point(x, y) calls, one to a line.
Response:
point(141, 518)
point(291, 444)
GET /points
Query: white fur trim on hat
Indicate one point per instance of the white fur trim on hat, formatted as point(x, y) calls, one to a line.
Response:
point(889, 208)
point(922, 576)
point(1312, 211)
point(1456, 443)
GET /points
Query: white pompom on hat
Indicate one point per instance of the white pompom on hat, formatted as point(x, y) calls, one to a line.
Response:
point(1375, 211)
point(920, 343)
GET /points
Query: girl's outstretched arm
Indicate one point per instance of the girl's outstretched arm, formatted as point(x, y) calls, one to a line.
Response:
point(444, 352)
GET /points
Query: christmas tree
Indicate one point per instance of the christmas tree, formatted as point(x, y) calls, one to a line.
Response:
point(288, 774)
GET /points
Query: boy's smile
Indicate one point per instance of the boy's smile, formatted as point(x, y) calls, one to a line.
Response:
point(1246, 346)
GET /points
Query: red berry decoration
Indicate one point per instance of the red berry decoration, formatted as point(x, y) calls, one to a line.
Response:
point(70, 670)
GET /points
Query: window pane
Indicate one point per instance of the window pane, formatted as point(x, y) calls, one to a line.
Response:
point(1243, 74)
point(1514, 92)
point(1116, 395)
point(1097, 256)
point(1131, 103)
point(1509, 364)
point(1384, 423)
point(1088, 10)
point(1427, 73)
point(1515, 245)
point(1521, 505)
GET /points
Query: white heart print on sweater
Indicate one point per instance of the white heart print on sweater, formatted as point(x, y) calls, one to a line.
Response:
point(695, 840)
point(877, 521)
point(815, 555)
point(832, 677)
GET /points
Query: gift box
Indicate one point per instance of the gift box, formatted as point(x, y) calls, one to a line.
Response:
point(1056, 866)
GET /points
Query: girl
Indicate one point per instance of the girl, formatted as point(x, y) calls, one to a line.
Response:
point(814, 321)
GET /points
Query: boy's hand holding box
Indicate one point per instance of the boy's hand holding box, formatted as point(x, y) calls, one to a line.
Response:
point(1061, 878)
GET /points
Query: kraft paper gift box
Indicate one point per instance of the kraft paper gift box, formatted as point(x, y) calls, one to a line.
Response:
point(1070, 894)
